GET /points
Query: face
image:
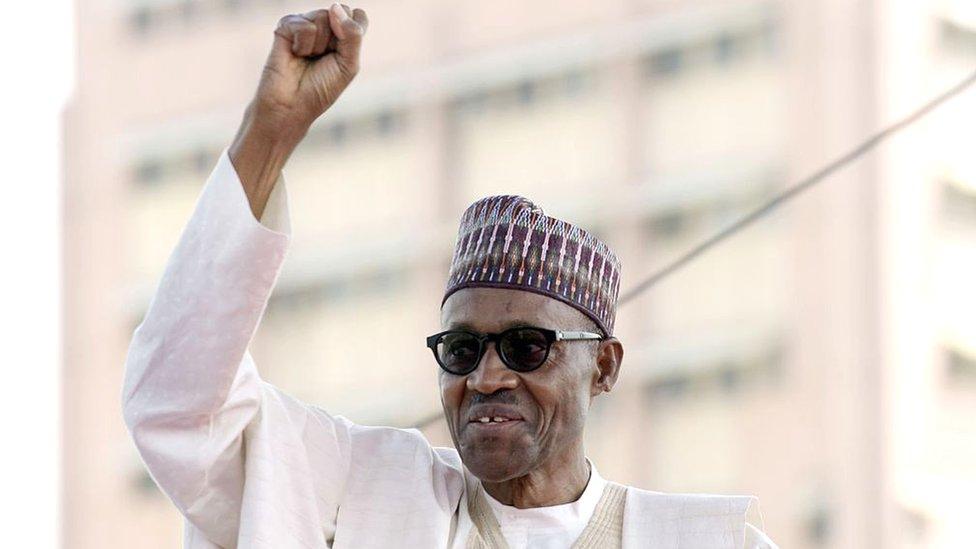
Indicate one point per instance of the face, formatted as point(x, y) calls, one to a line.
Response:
point(545, 408)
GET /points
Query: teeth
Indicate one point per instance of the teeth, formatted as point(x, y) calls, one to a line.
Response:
point(496, 419)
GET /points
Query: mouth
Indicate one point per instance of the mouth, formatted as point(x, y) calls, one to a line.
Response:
point(494, 417)
point(496, 421)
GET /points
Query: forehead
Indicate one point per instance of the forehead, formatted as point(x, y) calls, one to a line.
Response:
point(494, 309)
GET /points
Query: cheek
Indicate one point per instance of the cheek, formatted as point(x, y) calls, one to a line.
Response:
point(560, 397)
point(567, 395)
point(452, 390)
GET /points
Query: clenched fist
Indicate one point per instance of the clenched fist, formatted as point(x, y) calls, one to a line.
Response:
point(314, 56)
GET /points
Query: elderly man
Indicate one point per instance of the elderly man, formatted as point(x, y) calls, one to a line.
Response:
point(526, 345)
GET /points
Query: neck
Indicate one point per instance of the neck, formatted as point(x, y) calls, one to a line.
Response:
point(560, 481)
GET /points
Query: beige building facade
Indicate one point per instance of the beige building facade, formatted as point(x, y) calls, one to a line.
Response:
point(823, 359)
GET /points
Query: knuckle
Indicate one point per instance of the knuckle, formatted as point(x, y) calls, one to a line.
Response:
point(316, 15)
point(295, 22)
point(286, 19)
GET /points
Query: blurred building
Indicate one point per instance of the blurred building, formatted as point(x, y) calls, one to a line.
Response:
point(823, 359)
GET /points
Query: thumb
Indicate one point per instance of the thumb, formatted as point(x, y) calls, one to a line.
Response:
point(348, 30)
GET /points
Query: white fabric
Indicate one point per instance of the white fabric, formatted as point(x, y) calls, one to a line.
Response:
point(553, 527)
point(249, 466)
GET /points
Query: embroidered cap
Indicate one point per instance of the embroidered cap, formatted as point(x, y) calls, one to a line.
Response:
point(506, 241)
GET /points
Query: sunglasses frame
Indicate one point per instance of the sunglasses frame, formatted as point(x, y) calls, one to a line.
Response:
point(551, 336)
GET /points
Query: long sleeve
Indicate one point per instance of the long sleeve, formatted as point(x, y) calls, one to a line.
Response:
point(246, 464)
point(191, 388)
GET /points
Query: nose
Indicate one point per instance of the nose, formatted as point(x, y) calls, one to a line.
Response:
point(491, 375)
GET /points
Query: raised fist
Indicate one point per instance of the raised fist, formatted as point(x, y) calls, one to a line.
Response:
point(314, 57)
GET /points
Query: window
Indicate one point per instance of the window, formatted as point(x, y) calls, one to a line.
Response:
point(817, 524)
point(671, 387)
point(147, 14)
point(203, 160)
point(670, 224)
point(960, 366)
point(386, 122)
point(958, 202)
point(189, 9)
point(574, 82)
point(958, 39)
point(149, 171)
point(721, 376)
point(667, 62)
point(141, 19)
point(338, 288)
point(144, 484)
point(338, 132)
point(526, 92)
point(726, 48)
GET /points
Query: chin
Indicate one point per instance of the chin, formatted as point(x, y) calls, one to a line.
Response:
point(495, 464)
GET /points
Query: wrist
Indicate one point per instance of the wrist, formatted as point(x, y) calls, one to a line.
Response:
point(258, 153)
point(265, 127)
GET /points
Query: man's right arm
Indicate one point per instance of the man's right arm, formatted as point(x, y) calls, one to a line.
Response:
point(313, 59)
point(191, 388)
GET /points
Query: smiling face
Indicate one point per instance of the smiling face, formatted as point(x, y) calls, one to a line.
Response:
point(544, 410)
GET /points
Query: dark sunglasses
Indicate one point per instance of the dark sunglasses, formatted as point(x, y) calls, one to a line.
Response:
point(522, 349)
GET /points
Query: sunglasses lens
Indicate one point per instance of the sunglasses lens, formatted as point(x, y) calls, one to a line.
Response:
point(524, 349)
point(458, 352)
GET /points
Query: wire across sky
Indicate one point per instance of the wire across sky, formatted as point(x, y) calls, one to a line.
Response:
point(779, 199)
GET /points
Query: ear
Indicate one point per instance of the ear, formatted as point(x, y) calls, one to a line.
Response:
point(609, 356)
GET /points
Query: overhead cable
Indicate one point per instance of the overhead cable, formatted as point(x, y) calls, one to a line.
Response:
point(779, 199)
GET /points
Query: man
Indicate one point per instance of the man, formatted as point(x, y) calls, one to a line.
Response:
point(526, 345)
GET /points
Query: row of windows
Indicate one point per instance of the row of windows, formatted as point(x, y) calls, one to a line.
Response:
point(722, 50)
point(192, 164)
point(153, 170)
point(330, 291)
point(718, 212)
point(528, 93)
point(729, 377)
point(149, 15)
point(384, 124)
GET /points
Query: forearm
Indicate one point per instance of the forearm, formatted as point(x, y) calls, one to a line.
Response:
point(207, 304)
point(190, 386)
point(259, 153)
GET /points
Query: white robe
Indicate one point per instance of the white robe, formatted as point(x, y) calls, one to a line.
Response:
point(554, 527)
point(249, 466)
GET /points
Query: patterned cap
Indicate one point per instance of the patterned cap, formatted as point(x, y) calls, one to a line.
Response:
point(506, 241)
